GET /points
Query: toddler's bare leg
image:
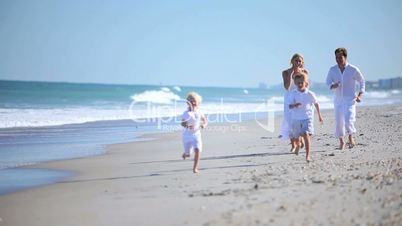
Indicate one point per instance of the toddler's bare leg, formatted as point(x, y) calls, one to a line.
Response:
point(197, 155)
point(307, 140)
point(185, 155)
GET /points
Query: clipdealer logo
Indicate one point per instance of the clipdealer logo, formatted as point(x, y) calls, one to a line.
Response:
point(161, 114)
point(266, 122)
point(166, 116)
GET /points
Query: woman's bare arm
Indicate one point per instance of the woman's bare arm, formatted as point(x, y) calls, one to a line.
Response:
point(286, 79)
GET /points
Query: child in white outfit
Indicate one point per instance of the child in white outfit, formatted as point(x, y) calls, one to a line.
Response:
point(301, 101)
point(193, 121)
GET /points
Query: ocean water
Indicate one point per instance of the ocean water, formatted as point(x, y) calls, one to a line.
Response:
point(37, 104)
point(42, 121)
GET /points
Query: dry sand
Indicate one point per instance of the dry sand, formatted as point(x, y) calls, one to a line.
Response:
point(247, 177)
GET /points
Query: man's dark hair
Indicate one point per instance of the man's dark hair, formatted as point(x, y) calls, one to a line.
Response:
point(342, 50)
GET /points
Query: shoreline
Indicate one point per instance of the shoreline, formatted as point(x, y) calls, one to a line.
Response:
point(246, 177)
point(149, 131)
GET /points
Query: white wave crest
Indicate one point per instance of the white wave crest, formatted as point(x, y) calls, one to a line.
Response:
point(10, 118)
point(163, 96)
point(320, 99)
point(53, 117)
point(323, 99)
point(177, 88)
point(377, 94)
point(276, 99)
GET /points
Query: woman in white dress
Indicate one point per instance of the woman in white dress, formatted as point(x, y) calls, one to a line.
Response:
point(297, 65)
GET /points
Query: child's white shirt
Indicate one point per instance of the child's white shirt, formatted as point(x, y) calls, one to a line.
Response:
point(193, 120)
point(307, 99)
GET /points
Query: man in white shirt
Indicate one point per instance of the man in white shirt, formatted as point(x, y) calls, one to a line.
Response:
point(342, 78)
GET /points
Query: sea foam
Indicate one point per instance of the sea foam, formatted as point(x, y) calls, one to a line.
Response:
point(163, 96)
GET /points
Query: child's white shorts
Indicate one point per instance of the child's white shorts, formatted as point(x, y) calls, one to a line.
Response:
point(191, 142)
point(301, 127)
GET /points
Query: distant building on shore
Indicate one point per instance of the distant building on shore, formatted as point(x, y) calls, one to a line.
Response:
point(391, 83)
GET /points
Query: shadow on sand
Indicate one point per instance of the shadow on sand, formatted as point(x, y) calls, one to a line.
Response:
point(163, 173)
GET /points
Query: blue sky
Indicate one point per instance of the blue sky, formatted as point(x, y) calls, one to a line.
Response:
point(200, 43)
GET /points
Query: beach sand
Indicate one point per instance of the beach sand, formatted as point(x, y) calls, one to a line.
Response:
point(247, 177)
